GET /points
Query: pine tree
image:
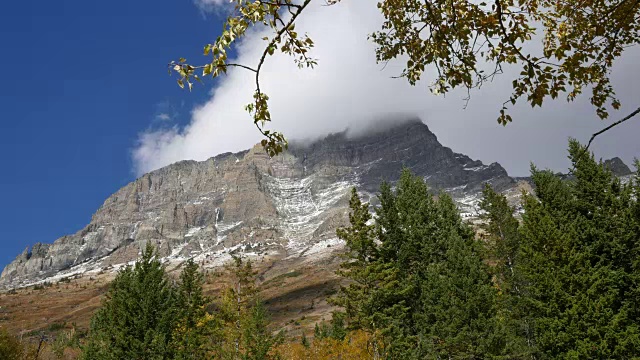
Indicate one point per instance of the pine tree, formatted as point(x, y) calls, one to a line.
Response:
point(136, 319)
point(304, 341)
point(503, 237)
point(194, 327)
point(418, 279)
point(503, 248)
point(387, 223)
point(579, 263)
point(235, 302)
point(245, 334)
point(258, 340)
point(338, 329)
point(456, 314)
point(360, 257)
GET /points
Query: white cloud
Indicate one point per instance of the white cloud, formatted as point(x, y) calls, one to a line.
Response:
point(348, 89)
point(163, 117)
point(208, 5)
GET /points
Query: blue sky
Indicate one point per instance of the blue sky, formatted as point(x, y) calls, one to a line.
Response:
point(80, 81)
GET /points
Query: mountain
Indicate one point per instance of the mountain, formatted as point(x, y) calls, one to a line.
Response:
point(617, 167)
point(283, 208)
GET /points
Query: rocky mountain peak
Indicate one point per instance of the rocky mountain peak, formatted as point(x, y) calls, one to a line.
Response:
point(617, 166)
point(383, 153)
point(286, 206)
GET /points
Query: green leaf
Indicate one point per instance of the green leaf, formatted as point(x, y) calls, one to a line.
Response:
point(207, 70)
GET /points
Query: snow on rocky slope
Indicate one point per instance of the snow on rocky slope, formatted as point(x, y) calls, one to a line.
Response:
point(283, 207)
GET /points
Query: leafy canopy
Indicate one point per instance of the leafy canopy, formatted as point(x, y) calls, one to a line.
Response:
point(280, 16)
point(469, 42)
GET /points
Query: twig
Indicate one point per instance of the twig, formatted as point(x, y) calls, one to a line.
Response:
point(586, 149)
point(272, 43)
point(612, 125)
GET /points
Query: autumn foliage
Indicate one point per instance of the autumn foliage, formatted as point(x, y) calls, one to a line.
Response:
point(357, 345)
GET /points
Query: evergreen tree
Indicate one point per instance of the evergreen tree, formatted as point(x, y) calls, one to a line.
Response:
point(457, 300)
point(417, 276)
point(502, 245)
point(304, 340)
point(579, 262)
point(360, 257)
point(503, 237)
point(235, 302)
point(245, 333)
point(194, 326)
point(336, 329)
point(136, 319)
point(258, 340)
point(318, 331)
point(374, 299)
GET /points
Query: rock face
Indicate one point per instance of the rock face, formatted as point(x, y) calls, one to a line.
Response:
point(617, 167)
point(381, 156)
point(246, 202)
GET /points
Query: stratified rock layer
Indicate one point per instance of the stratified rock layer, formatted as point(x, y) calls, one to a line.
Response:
point(252, 203)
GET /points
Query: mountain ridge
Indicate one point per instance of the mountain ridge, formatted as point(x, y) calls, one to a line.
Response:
point(250, 203)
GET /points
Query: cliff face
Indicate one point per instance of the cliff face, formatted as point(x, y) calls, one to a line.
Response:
point(286, 206)
point(617, 167)
point(381, 156)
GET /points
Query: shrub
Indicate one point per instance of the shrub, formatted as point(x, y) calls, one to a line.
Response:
point(10, 347)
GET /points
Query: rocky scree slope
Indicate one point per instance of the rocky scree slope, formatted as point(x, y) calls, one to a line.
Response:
point(283, 207)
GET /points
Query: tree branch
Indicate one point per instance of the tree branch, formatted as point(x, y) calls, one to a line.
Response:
point(275, 40)
point(634, 113)
point(240, 66)
point(586, 149)
point(282, 4)
point(272, 43)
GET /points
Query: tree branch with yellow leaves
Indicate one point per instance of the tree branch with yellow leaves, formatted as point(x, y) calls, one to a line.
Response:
point(246, 14)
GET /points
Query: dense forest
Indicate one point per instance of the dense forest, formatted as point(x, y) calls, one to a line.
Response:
point(558, 279)
point(562, 283)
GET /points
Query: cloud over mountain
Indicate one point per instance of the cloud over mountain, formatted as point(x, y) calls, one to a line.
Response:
point(348, 89)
